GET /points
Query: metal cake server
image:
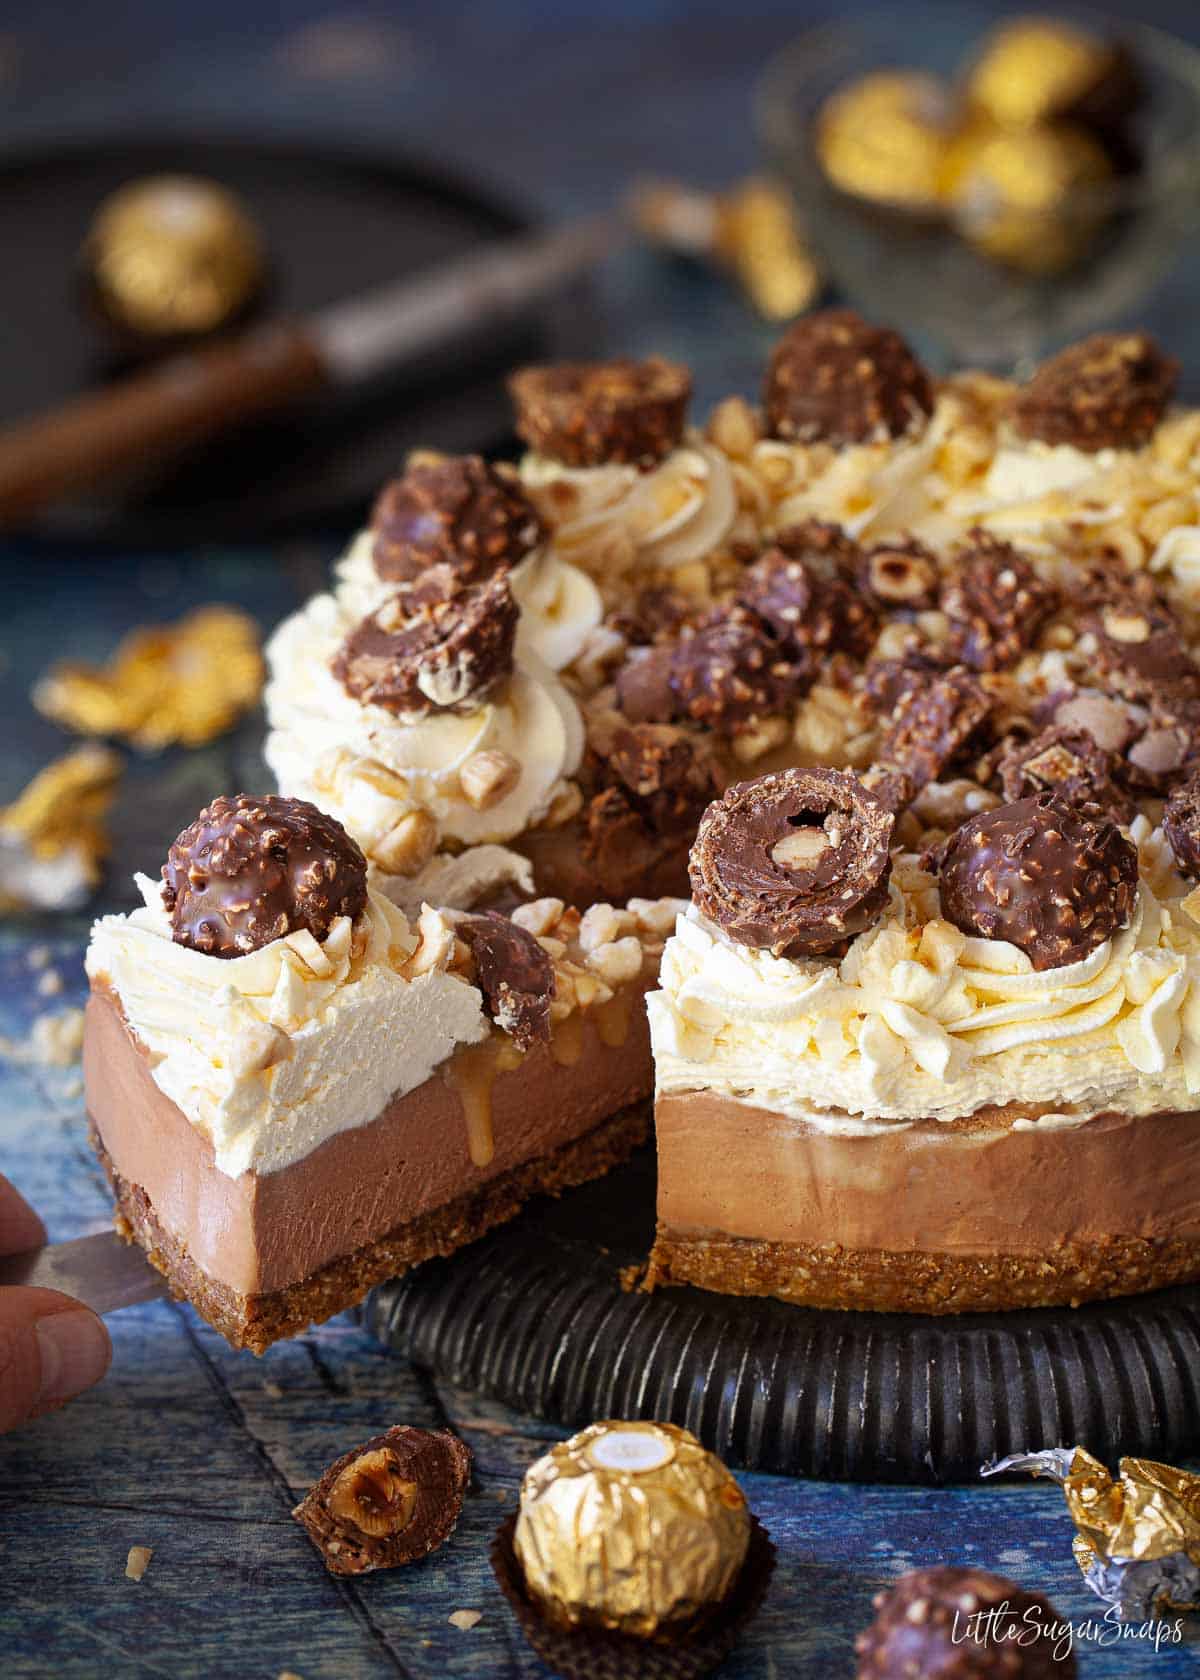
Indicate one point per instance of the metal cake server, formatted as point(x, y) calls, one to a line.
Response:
point(103, 1271)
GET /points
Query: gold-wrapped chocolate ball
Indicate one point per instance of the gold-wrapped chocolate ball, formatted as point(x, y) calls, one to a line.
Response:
point(1030, 198)
point(632, 1527)
point(172, 256)
point(1038, 70)
point(884, 137)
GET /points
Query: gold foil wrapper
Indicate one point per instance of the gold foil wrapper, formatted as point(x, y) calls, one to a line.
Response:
point(1137, 1539)
point(173, 256)
point(1035, 70)
point(59, 818)
point(885, 136)
point(757, 235)
point(632, 1527)
point(1027, 198)
point(186, 683)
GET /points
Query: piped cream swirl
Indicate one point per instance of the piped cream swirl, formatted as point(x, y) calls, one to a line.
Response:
point(920, 1021)
point(270, 1054)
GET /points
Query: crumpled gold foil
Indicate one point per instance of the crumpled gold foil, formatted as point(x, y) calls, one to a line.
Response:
point(54, 836)
point(1138, 1535)
point(632, 1527)
point(884, 137)
point(185, 682)
point(751, 231)
point(1036, 69)
point(173, 255)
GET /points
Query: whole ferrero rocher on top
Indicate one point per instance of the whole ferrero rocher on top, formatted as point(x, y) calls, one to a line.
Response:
point(835, 378)
point(254, 868)
point(1042, 874)
point(630, 1527)
point(456, 511)
point(172, 256)
point(794, 863)
point(591, 414)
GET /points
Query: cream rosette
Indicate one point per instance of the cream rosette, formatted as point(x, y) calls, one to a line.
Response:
point(371, 768)
point(919, 1020)
point(612, 519)
point(271, 1053)
point(560, 605)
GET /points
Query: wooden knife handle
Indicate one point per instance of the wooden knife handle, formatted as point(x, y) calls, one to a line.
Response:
point(180, 403)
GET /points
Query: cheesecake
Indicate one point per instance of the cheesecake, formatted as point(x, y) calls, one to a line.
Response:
point(296, 1091)
point(962, 1080)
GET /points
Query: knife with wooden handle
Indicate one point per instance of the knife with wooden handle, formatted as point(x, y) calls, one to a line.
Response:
point(197, 395)
point(103, 1271)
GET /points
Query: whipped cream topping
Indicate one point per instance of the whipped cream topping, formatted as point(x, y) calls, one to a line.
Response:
point(870, 489)
point(270, 1054)
point(679, 512)
point(919, 1020)
point(560, 605)
point(370, 768)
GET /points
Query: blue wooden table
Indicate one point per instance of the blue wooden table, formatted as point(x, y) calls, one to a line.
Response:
point(188, 1448)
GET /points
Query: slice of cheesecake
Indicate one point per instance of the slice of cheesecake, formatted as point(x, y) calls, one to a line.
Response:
point(297, 1093)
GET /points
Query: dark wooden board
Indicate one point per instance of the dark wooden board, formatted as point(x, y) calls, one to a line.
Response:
point(336, 224)
point(535, 1316)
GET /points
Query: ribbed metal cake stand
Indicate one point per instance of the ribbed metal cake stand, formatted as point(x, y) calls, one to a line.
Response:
point(535, 1316)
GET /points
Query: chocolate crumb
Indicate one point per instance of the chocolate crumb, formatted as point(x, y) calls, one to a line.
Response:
point(1069, 764)
point(795, 863)
point(1041, 875)
point(514, 974)
point(935, 719)
point(643, 686)
point(457, 512)
point(394, 1499)
point(586, 414)
point(251, 869)
point(732, 672)
point(996, 604)
point(926, 1624)
point(433, 647)
point(834, 378)
point(1181, 824)
point(1108, 392)
point(805, 590)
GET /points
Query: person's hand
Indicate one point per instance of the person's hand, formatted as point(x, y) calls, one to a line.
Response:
point(51, 1347)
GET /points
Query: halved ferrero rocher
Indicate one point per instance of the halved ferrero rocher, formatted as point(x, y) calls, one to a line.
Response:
point(588, 414)
point(1107, 392)
point(900, 574)
point(392, 1500)
point(1041, 874)
point(254, 868)
point(1181, 825)
point(996, 604)
point(794, 863)
point(884, 136)
point(1070, 764)
point(1141, 653)
point(732, 671)
point(454, 511)
point(835, 378)
point(935, 716)
point(805, 590)
point(432, 647)
point(514, 974)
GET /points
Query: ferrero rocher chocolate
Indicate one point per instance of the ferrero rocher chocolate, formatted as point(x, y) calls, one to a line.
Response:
point(1021, 196)
point(1039, 69)
point(1137, 1537)
point(172, 256)
point(884, 137)
point(632, 1527)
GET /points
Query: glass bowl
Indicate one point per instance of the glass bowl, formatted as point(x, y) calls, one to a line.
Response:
point(916, 270)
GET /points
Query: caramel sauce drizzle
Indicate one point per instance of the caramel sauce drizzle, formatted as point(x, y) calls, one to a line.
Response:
point(472, 1073)
point(612, 1017)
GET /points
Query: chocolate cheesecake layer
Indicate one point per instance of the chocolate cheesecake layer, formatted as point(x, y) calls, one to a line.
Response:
point(974, 1214)
point(437, 1167)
